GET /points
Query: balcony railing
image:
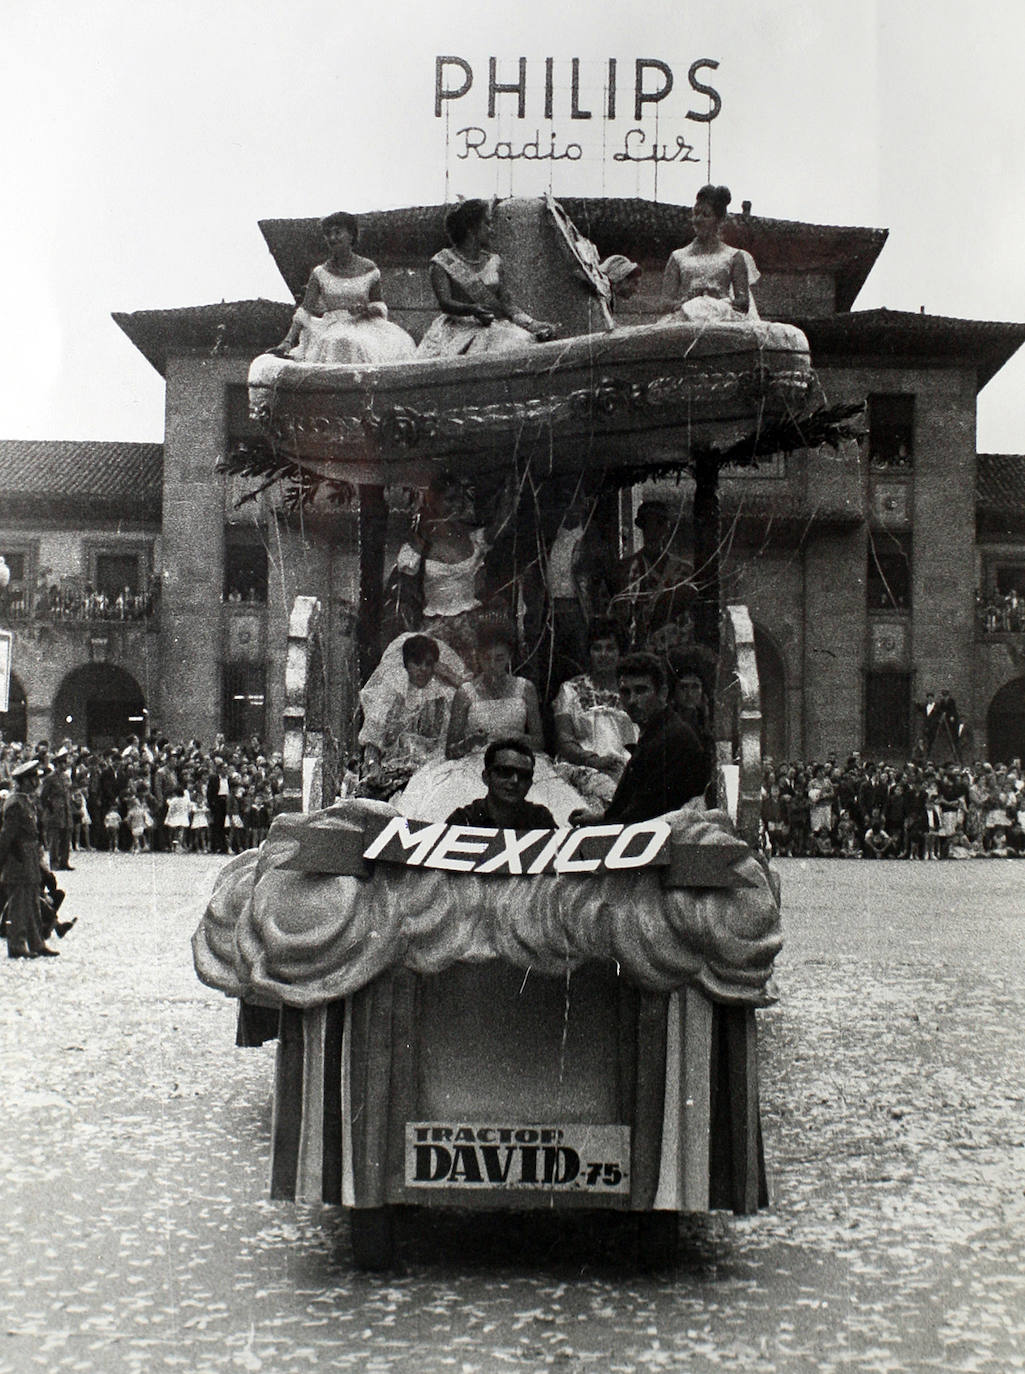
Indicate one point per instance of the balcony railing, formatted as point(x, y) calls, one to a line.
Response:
point(57, 605)
point(1003, 617)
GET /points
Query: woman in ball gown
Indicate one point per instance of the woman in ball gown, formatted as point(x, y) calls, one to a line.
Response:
point(467, 280)
point(494, 704)
point(708, 280)
point(592, 730)
point(343, 318)
point(400, 735)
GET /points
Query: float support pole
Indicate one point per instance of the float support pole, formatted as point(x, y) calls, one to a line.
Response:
point(373, 525)
point(706, 549)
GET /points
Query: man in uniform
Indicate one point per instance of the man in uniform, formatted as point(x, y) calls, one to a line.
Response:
point(55, 803)
point(21, 866)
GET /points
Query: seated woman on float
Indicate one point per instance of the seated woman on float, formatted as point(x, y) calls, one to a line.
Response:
point(469, 284)
point(343, 318)
point(408, 729)
point(593, 733)
point(494, 704)
point(708, 280)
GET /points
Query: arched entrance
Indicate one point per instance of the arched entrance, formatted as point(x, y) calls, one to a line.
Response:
point(14, 721)
point(99, 704)
point(773, 690)
point(1005, 723)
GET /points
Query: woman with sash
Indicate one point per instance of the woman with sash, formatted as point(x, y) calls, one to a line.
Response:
point(467, 280)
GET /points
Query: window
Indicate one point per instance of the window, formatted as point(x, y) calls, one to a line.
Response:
point(891, 430)
point(888, 571)
point(115, 572)
point(15, 600)
point(1009, 578)
point(887, 711)
point(245, 565)
point(243, 703)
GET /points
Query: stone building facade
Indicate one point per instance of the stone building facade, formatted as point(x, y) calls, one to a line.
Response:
point(867, 570)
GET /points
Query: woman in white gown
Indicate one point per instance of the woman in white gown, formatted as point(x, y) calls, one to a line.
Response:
point(469, 285)
point(592, 731)
point(708, 280)
point(343, 318)
point(493, 705)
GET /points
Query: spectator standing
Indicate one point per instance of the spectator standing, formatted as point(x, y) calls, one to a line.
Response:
point(55, 802)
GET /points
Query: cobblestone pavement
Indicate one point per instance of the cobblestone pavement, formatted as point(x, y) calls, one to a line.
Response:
point(137, 1234)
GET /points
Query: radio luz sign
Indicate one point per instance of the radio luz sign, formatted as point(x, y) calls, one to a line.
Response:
point(626, 104)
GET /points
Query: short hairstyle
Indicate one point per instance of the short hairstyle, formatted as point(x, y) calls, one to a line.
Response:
point(717, 198)
point(463, 218)
point(420, 649)
point(515, 744)
point(341, 219)
point(643, 665)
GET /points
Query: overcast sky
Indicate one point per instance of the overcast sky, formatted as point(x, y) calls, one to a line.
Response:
point(143, 139)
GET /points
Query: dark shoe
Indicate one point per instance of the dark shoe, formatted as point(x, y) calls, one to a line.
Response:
point(44, 952)
point(62, 927)
point(22, 953)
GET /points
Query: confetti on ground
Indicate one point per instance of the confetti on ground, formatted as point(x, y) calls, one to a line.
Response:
point(133, 1169)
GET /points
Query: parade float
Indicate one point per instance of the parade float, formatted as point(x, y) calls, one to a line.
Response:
point(472, 1017)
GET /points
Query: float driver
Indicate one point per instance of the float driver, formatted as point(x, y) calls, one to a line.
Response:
point(508, 774)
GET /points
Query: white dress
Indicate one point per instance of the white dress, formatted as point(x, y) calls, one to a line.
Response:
point(460, 335)
point(434, 792)
point(599, 726)
point(343, 334)
point(701, 285)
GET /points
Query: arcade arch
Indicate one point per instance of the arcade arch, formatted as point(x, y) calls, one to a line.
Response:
point(1005, 723)
point(100, 704)
point(14, 721)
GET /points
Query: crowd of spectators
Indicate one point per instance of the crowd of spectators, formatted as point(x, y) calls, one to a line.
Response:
point(156, 794)
point(1001, 613)
point(862, 809)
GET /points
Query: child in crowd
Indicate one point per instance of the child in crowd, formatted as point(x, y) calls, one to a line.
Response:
point(234, 822)
point(112, 827)
point(139, 821)
point(179, 815)
point(79, 820)
point(259, 817)
point(847, 837)
point(199, 826)
point(878, 843)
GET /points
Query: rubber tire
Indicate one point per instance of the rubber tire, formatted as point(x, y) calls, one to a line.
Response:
point(658, 1239)
point(373, 1237)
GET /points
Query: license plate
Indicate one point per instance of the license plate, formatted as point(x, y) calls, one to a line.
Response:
point(501, 1155)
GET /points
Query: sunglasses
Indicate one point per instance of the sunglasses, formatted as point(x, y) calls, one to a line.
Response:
point(507, 773)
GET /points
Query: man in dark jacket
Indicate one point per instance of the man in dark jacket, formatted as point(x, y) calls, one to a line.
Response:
point(668, 765)
point(21, 866)
point(55, 803)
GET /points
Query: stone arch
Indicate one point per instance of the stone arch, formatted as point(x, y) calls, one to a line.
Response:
point(98, 704)
point(772, 683)
point(1005, 723)
point(14, 721)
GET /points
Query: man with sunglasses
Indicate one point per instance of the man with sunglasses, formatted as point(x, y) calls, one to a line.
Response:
point(508, 774)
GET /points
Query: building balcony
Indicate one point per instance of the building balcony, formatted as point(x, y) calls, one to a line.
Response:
point(1000, 621)
point(61, 607)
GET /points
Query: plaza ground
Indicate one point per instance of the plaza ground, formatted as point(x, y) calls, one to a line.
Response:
point(137, 1233)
